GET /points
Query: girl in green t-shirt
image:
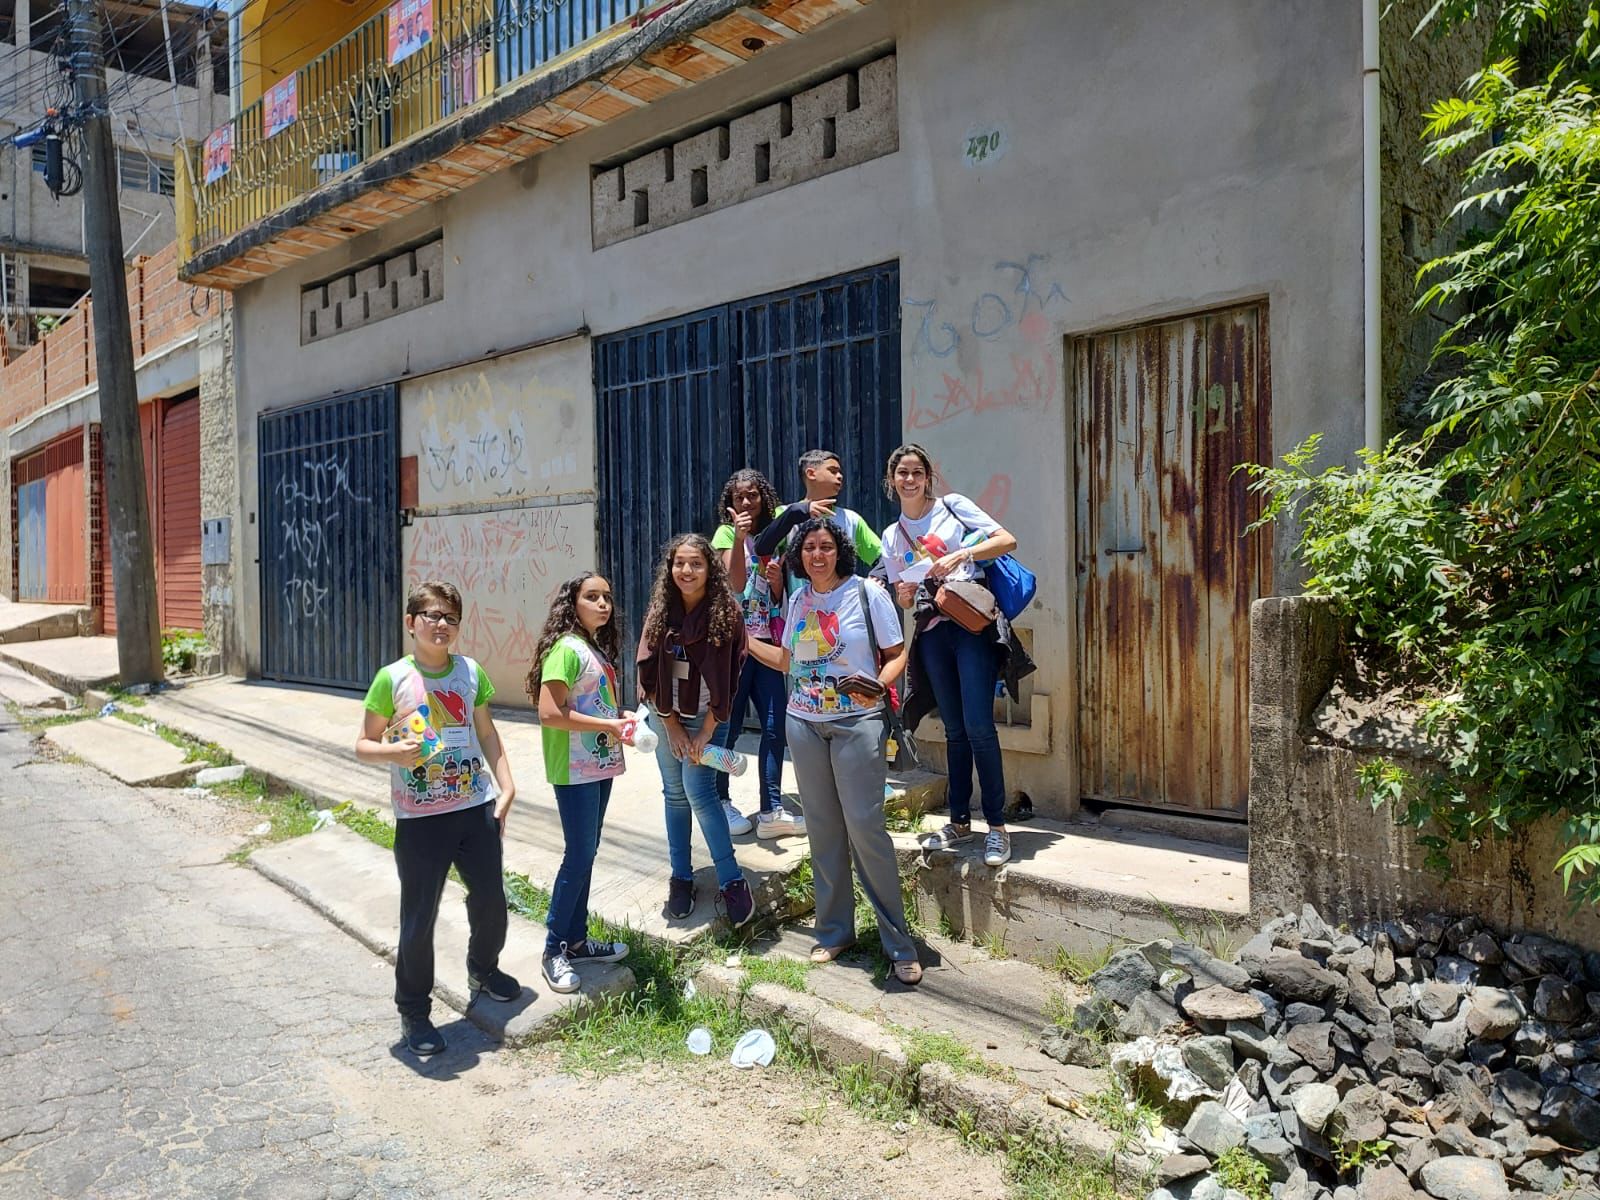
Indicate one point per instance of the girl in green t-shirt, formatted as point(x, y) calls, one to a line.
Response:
point(573, 681)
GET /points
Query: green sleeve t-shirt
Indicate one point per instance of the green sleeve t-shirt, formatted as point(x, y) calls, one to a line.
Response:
point(571, 757)
point(454, 774)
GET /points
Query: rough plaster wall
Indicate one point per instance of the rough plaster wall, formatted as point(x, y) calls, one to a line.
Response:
point(1100, 208)
point(219, 483)
point(505, 490)
point(1417, 196)
point(1314, 838)
point(8, 576)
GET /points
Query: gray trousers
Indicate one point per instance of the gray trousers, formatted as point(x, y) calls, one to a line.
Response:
point(840, 768)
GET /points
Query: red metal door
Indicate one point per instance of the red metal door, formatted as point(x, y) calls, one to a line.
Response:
point(1166, 571)
point(178, 507)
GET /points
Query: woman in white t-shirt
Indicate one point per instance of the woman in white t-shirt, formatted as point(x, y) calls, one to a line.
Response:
point(837, 733)
point(945, 539)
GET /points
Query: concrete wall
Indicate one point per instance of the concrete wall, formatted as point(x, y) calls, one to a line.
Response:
point(219, 485)
point(1133, 176)
point(1314, 838)
point(505, 484)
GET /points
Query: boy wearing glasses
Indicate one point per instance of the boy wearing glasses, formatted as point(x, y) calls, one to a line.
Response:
point(456, 821)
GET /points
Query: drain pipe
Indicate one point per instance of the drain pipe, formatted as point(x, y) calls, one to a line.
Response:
point(1372, 227)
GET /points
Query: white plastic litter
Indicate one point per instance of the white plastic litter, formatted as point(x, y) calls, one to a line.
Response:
point(1236, 1100)
point(699, 1040)
point(689, 990)
point(645, 739)
point(754, 1049)
point(1161, 1141)
point(322, 820)
point(212, 775)
point(734, 961)
point(109, 708)
point(1165, 1061)
point(141, 689)
point(262, 829)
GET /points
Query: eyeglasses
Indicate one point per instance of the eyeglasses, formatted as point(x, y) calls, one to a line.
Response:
point(437, 618)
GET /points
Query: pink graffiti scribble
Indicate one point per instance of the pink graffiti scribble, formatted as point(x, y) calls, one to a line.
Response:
point(996, 497)
point(1032, 385)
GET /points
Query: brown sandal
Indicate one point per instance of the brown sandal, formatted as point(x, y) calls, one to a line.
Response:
point(908, 971)
point(826, 954)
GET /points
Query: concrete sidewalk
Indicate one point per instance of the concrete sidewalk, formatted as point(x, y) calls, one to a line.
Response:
point(72, 664)
point(304, 739)
point(27, 622)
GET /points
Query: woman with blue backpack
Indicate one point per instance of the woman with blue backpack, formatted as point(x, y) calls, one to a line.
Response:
point(940, 558)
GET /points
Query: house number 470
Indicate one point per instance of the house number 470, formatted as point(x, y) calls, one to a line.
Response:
point(984, 146)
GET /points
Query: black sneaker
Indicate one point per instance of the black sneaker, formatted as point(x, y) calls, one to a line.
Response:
point(591, 950)
point(680, 898)
point(741, 905)
point(422, 1039)
point(497, 985)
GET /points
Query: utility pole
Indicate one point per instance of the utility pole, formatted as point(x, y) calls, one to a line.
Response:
point(133, 569)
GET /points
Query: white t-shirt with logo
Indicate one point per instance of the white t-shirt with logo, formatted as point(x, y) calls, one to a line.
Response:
point(826, 635)
point(451, 772)
point(938, 532)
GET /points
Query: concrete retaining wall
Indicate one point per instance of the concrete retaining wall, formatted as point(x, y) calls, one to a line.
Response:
point(1315, 839)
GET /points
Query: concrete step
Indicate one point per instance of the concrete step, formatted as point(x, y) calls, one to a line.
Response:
point(303, 739)
point(993, 1008)
point(352, 882)
point(28, 622)
point(72, 664)
point(124, 751)
point(1080, 886)
point(25, 691)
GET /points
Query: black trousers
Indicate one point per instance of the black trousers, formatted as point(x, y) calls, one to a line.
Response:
point(425, 848)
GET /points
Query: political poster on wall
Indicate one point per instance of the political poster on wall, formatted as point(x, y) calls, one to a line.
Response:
point(282, 104)
point(410, 28)
point(217, 154)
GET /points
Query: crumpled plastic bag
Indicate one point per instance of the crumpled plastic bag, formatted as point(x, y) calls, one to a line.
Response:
point(754, 1049)
point(1165, 1061)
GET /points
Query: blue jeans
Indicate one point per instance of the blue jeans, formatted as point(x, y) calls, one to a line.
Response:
point(583, 811)
point(963, 668)
point(687, 786)
point(770, 691)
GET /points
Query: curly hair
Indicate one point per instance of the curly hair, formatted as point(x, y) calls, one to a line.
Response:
point(563, 619)
point(909, 450)
point(792, 561)
point(727, 618)
point(768, 493)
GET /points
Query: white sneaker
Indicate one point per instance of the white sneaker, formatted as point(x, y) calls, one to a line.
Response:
point(996, 848)
point(780, 823)
point(737, 822)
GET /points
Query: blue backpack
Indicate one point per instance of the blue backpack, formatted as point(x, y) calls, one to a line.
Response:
point(1012, 583)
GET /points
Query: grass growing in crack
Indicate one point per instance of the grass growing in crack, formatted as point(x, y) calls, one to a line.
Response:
point(287, 816)
point(925, 1046)
point(869, 1093)
point(785, 972)
point(1211, 935)
point(194, 750)
point(1078, 967)
point(993, 943)
point(1129, 1119)
point(367, 823)
point(1036, 1171)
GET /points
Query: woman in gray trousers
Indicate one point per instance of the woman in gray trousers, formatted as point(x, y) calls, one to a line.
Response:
point(837, 690)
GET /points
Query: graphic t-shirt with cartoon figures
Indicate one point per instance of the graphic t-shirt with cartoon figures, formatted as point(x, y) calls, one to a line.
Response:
point(761, 607)
point(455, 774)
point(938, 532)
point(827, 639)
point(571, 757)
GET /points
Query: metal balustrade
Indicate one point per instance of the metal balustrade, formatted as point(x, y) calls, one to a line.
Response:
point(353, 104)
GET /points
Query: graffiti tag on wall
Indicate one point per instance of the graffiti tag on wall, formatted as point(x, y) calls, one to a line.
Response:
point(311, 497)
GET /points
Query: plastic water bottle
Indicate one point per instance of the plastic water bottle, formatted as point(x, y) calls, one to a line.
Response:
point(723, 759)
point(644, 738)
point(972, 539)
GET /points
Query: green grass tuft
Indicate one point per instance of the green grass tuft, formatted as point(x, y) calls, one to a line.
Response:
point(1078, 967)
point(785, 972)
point(1240, 1171)
point(369, 824)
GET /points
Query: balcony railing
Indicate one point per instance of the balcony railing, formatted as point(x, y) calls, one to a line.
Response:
point(359, 98)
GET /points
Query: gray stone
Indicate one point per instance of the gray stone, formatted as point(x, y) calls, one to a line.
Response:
point(1553, 1074)
point(1586, 1078)
point(1412, 1154)
point(1314, 1104)
point(1270, 1003)
point(1384, 1183)
point(1249, 1077)
point(1181, 1166)
point(1449, 969)
point(1360, 1116)
point(1379, 1055)
point(1364, 1000)
point(1382, 960)
point(1220, 1003)
point(1462, 1178)
point(1521, 1093)
point(1147, 1016)
point(1095, 1015)
point(1250, 1041)
point(1305, 1139)
point(1214, 1129)
point(1438, 1001)
point(1310, 1042)
point(1207, 970)
point(1262, 1125)
point(1456, 1138)
point(1558, 1001)
point(1297, 1186)
point(1569, 1116)
point(1211, 1058)
point(1253, 954)
point(1125, 977)
point(1531, 1039)
point(1459, 931)
point(1542, 1175)
point(1397, 997)
point(1299, 1014)
point(1446, 1039)
point(1494, 1014)
point(1482, 949)
point(1295, 977)
point(1311, 923)
point(1072, 1048)
point(1492, 1055)
point(1462, 1101)
point(1277, 1153)
point(1413, 1064)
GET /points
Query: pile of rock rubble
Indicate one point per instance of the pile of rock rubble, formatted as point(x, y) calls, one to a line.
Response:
point(1414, 1056)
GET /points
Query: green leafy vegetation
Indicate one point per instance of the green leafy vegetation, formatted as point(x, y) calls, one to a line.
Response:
point(1079, 966)
point(1351, 1157)
point(181, 648)
point(1240, 1171)
point(1464, 556)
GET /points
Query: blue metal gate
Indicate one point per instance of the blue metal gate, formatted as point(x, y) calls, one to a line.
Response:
point(32, 545)
point(682, 404)
point(331, 604)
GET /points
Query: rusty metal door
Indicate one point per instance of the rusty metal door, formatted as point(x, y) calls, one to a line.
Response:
point(1166, 570)
point(52, 562)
